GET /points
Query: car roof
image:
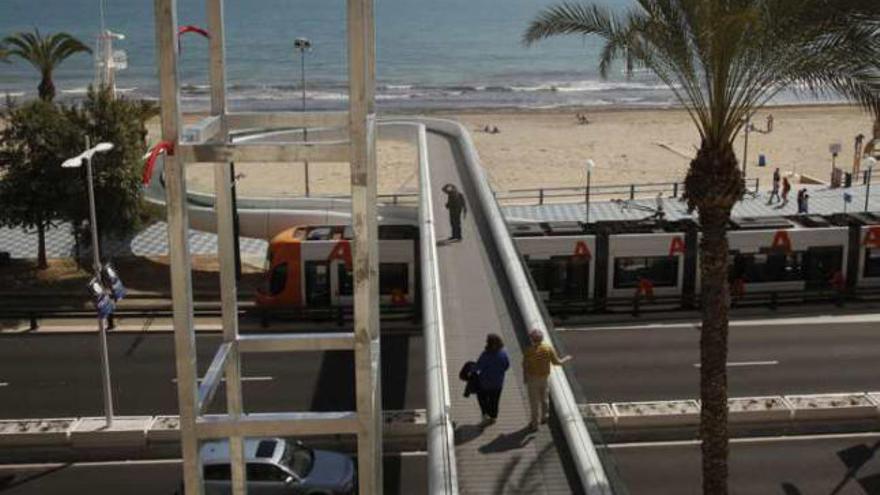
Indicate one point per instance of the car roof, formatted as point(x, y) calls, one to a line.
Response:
point(255, 450)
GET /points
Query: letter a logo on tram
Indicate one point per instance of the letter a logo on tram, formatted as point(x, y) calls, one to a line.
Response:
point(872, 238)
point(341, 251)
point(582, 250)
point(781, 241)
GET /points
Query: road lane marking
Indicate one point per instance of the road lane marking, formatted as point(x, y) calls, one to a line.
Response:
point(244, 379)
point(736, 364)
point(4, 384)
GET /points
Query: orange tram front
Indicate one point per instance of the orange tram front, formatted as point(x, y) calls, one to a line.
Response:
point(310, 267)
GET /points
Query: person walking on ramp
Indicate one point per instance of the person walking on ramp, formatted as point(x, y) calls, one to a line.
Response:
point(490, 368)
point(457, 209)
point(536, 370)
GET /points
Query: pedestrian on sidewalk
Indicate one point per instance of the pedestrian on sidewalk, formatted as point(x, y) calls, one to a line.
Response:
point(537, 360)
point(775, 192)
point(786, 188)
point(491, 368)
point(457, 207)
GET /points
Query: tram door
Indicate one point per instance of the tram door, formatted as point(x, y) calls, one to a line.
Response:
point(820, 264)
point(317, 283)
point(570, 278)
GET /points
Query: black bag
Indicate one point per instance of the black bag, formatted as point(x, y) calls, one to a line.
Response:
point(466, 371)
point(469, 374)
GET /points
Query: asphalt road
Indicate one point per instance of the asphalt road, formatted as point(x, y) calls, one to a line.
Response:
point(804, 466)
point(404, 475)
point(659, 363)
point(58, 375)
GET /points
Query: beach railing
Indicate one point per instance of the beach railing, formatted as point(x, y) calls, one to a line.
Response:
point(620, 191)
point(578, 194)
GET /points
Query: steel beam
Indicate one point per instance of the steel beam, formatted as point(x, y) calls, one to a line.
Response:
point(278, 424)
point(296, 342)
point(328, 151)
point(263, 120)
point(212, 377)
point(178, 245)
point(366, 290)
point(207, 129)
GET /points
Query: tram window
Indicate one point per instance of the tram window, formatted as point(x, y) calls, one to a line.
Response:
point(872, 263)
point(763, 267)
point(346, 280)
point(278, 279)
point(662, 271)
point(317, 283)
point(540, 270)
point(393, 276)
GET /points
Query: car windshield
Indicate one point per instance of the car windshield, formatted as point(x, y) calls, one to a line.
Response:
point(298, 458)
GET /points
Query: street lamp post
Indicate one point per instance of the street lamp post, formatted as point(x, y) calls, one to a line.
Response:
point(869, 164)
point(304, 45)
point(77, 161)
point(590, 166)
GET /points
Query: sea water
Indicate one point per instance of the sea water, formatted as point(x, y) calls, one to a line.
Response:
point(430, 54)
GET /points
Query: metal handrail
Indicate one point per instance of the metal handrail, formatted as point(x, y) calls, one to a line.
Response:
point(584, 457)
point(442, 469)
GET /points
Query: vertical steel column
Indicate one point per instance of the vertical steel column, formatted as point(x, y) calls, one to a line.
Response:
point(178, 244)
point(366, 274)
point(226, 252)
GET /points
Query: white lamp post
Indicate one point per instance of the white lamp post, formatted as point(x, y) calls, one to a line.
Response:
point(304, 45)
point(590, 166)
point(76, 162)
point(869, 164)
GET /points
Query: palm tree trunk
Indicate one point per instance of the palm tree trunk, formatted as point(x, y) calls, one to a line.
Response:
point(713, 186)
point(713, 350)
point(42, 263)
point(46, 89)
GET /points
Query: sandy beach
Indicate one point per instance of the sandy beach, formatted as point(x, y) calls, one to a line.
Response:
point(549, 149)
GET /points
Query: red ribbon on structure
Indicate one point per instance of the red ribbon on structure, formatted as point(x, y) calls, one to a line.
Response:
point(190, 29)
point(161, 146)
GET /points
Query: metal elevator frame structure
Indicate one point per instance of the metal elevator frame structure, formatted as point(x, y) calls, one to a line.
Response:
point(212, 144)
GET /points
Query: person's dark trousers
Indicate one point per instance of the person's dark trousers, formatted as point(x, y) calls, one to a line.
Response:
point(488, 400)
point(455, 221)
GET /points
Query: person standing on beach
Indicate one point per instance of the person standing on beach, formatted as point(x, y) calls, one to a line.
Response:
point(491, 368)
point(775, 192)
point(457, 207)
point(786, 188)
point(536, 363)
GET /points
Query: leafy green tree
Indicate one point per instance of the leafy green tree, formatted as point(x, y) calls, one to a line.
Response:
point(45, 54)
point(37, 138)
point(723, 60)
point(117, 173)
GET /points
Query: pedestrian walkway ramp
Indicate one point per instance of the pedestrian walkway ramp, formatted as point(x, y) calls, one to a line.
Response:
point(483, 289)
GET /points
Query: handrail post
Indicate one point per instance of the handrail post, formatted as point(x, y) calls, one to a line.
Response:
point(541, 196)
point(675, 190)
point(632, 191)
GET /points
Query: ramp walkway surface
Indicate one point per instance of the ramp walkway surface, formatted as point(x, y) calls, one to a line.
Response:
point(503, 458)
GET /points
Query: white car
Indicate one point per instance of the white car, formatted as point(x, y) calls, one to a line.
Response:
point(275, 466)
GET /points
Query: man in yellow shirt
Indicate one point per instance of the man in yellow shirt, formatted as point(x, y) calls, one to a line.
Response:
point(537, 360)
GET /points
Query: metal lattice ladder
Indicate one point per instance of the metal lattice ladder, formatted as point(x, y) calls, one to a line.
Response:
point(210, 143)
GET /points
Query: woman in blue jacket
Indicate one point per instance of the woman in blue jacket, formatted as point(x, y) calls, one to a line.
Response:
point(490, 368)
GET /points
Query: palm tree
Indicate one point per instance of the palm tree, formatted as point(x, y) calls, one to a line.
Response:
point(723, 59)
point(45, 54)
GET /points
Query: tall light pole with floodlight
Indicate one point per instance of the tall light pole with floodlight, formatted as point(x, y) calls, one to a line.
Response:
point(75, 162)
point(590, 166)
point(304, 45)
